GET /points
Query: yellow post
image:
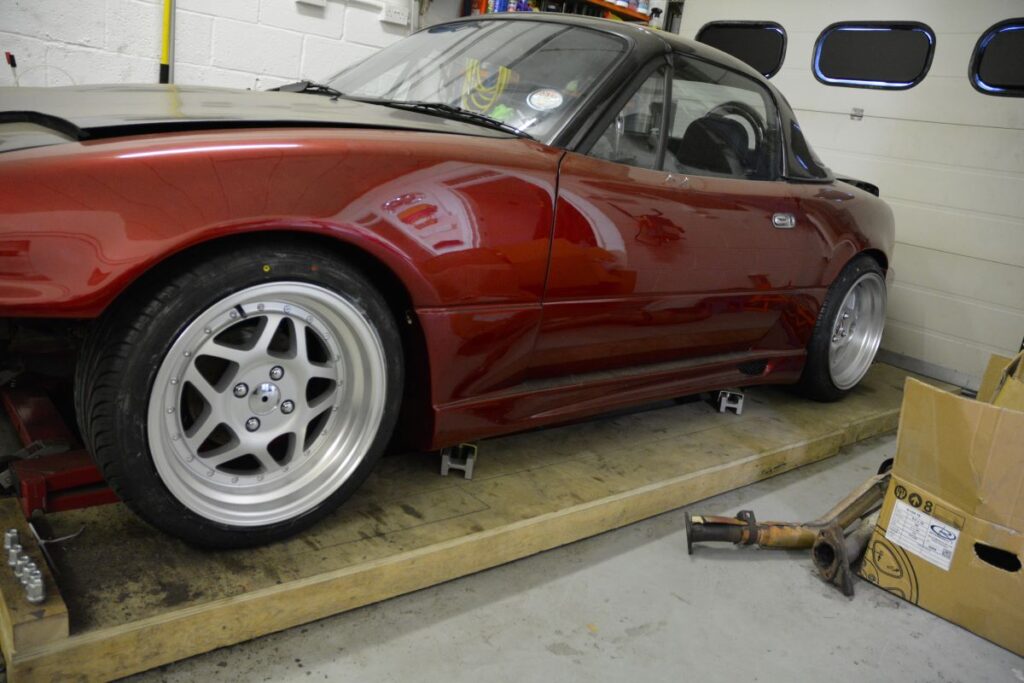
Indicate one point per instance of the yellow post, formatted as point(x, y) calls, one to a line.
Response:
point(167, 45)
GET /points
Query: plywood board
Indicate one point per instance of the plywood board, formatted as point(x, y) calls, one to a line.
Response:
point(138, 599)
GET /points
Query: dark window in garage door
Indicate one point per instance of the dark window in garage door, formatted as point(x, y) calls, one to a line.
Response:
point(997, 65)
point(891, 56)
point(761, 44)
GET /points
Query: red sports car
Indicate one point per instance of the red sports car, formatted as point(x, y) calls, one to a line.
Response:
point(495, 224)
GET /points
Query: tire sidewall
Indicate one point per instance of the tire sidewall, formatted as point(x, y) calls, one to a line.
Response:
point(816, 379)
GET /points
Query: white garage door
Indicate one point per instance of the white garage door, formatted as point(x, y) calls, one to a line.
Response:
point(948, 159)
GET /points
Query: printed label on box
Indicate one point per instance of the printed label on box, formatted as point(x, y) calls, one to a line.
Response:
point(923, 535)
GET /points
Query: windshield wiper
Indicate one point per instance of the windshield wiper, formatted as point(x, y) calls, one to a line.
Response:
point(452, 112)
point(312, 88)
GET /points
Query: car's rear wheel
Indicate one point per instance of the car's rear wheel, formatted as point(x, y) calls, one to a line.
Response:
point(848, 331)
point(246, 398)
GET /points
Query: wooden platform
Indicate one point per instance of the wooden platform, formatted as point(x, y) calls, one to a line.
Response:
point(136, 599)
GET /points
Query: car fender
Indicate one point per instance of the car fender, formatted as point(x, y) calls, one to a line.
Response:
point(458, 219)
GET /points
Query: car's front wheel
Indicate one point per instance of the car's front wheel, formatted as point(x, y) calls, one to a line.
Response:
point(246, 398)
point(848, 331)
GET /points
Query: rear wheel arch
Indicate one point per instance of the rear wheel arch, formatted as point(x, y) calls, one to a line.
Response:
point(836, 363)
point(879, 256)
point(846, 253)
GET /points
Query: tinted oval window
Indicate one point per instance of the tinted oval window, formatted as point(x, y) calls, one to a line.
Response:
point(893, 56)
point(760, 44)
point(997, 66)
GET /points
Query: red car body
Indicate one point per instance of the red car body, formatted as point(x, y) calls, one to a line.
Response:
point(540, 285)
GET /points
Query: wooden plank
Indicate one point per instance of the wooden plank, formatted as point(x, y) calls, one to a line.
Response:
point(24, 626)
point(140, 600)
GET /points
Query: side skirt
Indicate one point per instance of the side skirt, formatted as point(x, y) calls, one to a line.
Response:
point(536, 403)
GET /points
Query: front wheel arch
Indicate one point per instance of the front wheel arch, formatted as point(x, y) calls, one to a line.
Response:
point(395, 291)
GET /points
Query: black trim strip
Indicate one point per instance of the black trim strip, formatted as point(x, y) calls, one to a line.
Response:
point(62, 126)
point(872, 25)
point(973, 74)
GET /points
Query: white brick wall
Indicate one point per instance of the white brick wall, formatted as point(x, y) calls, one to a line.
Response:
point(233, 43)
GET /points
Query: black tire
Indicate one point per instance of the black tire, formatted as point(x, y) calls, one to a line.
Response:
point(119, 363)
point(816, 380)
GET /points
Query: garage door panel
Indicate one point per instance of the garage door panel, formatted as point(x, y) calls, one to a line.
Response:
point(959, 275)
point(991, 238)
point(961, 355)
point(993, 149)
point(989, 192)
point(805, 16)
point(966, 319)
point(940, 99)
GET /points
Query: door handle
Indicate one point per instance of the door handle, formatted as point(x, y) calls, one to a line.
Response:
point(784, 220)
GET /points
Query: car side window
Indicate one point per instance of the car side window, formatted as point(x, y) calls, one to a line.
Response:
point(721, 123)
point(634, 134)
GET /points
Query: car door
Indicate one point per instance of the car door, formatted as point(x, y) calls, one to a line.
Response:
point(674, 237)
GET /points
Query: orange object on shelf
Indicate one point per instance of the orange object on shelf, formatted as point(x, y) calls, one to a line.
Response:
point(611, 10)
point(625, 12)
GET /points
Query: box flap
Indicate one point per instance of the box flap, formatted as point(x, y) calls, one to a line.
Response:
point(1010, 392)
point(965, 451)
point(993, 377)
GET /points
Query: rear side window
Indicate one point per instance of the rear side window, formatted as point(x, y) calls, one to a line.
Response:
point(997, 65)
point(761, 44)
point(886, 55)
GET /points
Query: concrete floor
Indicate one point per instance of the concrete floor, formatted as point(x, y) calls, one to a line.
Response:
point(630, 604)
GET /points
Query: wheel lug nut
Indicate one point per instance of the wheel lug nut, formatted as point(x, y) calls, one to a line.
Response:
point(241, 389)
point(287, 407)
point(252, 424)
point(276, 372)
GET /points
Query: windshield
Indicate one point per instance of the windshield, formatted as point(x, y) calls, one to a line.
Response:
point(528, 74)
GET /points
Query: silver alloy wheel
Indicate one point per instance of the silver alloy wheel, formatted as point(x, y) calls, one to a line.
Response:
point(219, 437)
point(857, 331)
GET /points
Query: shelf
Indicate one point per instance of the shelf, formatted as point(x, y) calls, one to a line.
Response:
point(624, 12)
point(621, 11)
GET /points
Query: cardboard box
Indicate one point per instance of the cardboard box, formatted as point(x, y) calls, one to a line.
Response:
point(950, 537)
point(1009, 391)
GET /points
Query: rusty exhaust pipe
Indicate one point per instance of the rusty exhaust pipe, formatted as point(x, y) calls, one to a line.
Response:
point(835, 555)
point(744, 529)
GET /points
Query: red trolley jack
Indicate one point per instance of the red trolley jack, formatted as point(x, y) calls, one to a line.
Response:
point(53, 471)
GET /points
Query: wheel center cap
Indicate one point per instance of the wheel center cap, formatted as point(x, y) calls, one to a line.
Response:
point(264, 398)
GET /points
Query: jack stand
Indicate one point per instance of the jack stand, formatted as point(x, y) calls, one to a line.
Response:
point(461, 457)
point(730, 400)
